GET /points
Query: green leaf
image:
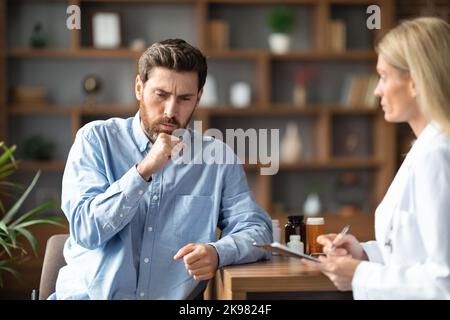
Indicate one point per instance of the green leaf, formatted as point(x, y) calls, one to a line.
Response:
point(9, 195)
point(7, 173)
point(4, 267)
point(5, 246)
point(12, 236)
point(10, 185)
point(8, 154)
point(28, 215)
point(7, 167)
point(3, 227)
point(11, 213)
point(10, 270)
point(31, 239)
point(48, 220)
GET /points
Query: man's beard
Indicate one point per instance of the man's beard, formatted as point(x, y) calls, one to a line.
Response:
point(153, 130)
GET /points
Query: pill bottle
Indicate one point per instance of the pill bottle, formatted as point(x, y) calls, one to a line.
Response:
point(276, 230)
point(296, 244)
point(314, 228)
point(296, 226)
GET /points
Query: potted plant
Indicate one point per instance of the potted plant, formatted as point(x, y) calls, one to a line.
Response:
point(38, 148)
point(281, 22)
point(14, 227)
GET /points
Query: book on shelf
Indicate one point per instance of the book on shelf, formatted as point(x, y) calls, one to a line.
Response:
point(338, 35)
point(218, 35)
point(358, 91)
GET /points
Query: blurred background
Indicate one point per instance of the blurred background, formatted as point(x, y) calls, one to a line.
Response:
point(304, 67)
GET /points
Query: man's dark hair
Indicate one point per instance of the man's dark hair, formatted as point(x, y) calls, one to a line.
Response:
point(174, 54)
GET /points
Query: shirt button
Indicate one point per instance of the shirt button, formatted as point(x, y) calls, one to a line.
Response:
point(141, 192)
point(121, 215)
point(155, 197)
point(150, 229)
point(146, 260)
point(142, 294)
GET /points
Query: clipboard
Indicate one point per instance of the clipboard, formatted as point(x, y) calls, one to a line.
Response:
point(284, 250)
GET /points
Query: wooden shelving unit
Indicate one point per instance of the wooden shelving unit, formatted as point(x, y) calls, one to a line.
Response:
point(380, 162)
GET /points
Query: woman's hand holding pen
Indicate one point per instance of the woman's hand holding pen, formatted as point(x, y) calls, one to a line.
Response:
point(344, 244)
point(344, 254)
point(339, 269)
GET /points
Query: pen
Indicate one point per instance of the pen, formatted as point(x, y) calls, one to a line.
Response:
point(343, 232)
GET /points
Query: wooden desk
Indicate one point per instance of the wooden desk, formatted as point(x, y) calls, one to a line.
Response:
point(279, 278)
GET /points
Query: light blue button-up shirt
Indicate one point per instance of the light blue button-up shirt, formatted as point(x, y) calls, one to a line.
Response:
point(124, 231)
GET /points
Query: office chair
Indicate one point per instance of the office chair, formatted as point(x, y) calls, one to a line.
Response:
point(53, 261)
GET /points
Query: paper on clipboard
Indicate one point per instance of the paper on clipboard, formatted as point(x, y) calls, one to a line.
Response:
point(284, 250)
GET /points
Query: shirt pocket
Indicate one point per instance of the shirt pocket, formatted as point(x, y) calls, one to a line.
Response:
point(193, 219)
point(406, 238)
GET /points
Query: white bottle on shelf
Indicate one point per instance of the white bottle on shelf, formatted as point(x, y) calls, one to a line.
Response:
point(291, 144)
point(295, 243)
point(276, 230)
point(312, 205)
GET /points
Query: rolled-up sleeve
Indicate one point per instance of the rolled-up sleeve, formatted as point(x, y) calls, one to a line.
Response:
point(241, 221)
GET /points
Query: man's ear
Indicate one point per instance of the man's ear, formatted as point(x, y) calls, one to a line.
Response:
point(138, 88)
point(199, 95)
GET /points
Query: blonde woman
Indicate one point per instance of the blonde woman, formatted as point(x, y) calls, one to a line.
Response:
point(410, 258)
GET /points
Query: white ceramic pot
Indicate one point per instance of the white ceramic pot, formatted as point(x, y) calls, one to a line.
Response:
point(210, 96)
point(240, 94)
point(279, 42)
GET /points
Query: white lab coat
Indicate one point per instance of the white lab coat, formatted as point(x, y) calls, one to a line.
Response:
point(410, 258)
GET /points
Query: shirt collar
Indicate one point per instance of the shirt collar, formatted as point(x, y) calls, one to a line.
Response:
point(427, 136)
point(139, 136)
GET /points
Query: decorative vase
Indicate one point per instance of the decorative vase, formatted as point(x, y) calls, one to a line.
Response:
point(240, 94)
point(299, 96)
point(209, 96)
point(279, 42)
point(38, 39)
point(137, 45)
point(291, 145)
point(312, 205)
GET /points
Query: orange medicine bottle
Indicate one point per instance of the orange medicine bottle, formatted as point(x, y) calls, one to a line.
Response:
point(314, 228)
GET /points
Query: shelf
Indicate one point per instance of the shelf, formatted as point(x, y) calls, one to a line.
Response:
point(270, 2)
point(229, 54)
point(357, 55)
point(50, 166)
point(347, 55)
point(45, 109)
point(112, 109)
point(339, 163)
point(107, 110)
point(72, 53)
point(146, 1)
point(235, 54)
point(354, 2)
point(100, 109)
point(284, 109)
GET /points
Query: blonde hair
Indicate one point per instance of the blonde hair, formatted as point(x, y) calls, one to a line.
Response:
point(422, 47)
